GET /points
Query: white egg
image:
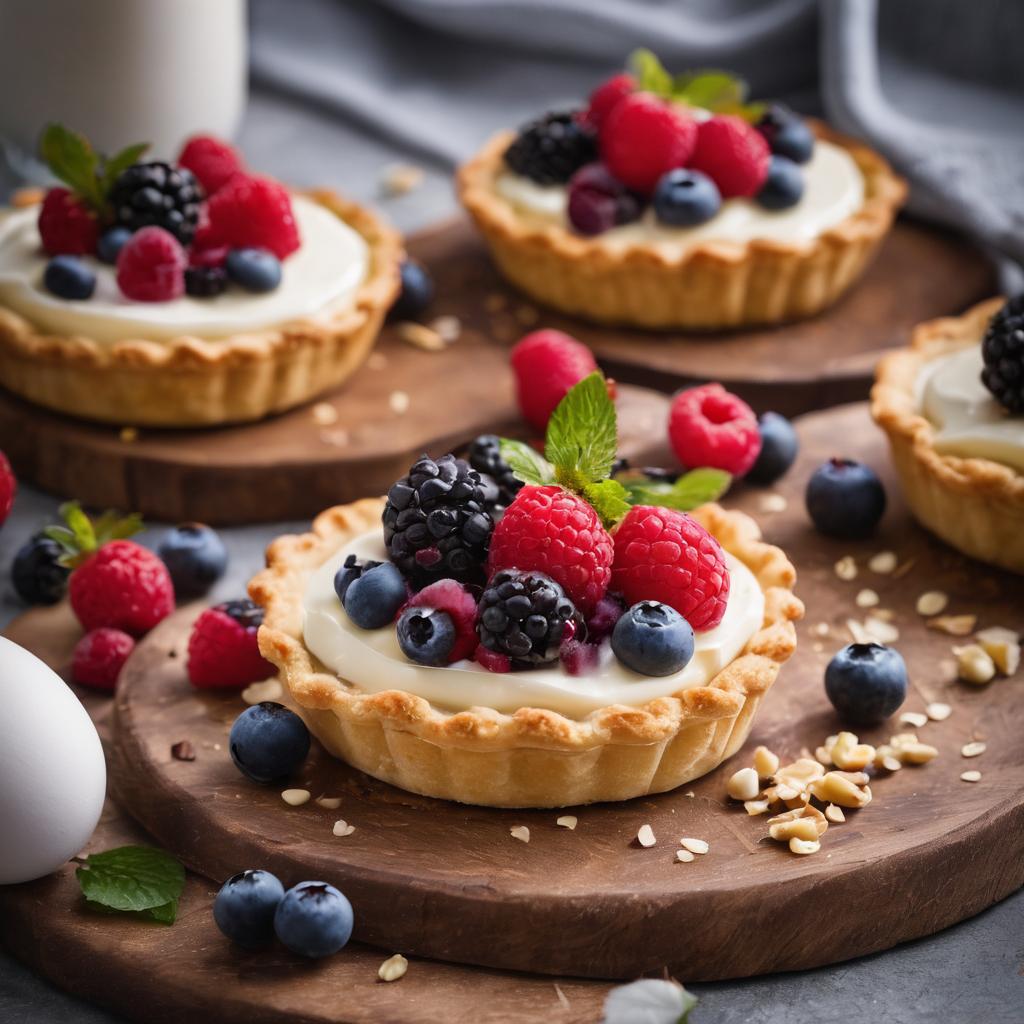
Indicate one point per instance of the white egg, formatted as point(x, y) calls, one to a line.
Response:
point(52, 774)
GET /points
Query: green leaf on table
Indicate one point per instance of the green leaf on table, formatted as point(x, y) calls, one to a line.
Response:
point(526, 464)
point(133, 879)
point(582, 435)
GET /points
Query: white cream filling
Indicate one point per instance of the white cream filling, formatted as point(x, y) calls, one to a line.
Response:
point(320, 277)
point(969, 422)
point(834, 189)
point(372, 661)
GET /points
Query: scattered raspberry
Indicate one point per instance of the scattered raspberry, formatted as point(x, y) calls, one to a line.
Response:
point(211, 160)
point(606, 96)
point(222, 649)
point(67, 226)
point(453, 598)
point(709, 426)
point(492, 660)
point(733, 154)
point(555, 532)
point(99, 656)
point(663, 555)
point(8, 487)
point(151, 266)
point(643, 137)
point(547, 364)
point(250, 212)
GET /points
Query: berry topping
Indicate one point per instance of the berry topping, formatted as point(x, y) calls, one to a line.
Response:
point(205, 282)
point(547, 364)
point(485, 458)
point(373, 598)
point(455, 601)
point(709, 426)
point(426, 636)
point(251, 212)
point(223, 652)
point(151, 266)
point(208, 256)
point(602, 619)
point(268, 742)
point(37, 574)
point(1002, 350)
point(417, 291)
point(195, 557)
point(244, 908)
point(779, 446)
point(98, 657)
point(555, 532)
point(8, 488)
point(524, 616)
point(255, 270)
point(579, 658)
point(111, 242)
point(314, 920)
point(684, 199)
point(732, 154)
point(786, 133)
point(643, 137)
point(436, 524)
point(68, 277)
point(492, 660)
point(157, 195)
point(866, 683)
point(653, 639)
point(606, 97)
point(598, 201)
point(67, 226)
point(845, 499)
point(664, 555)
point(784, 186)
point(550, 150)
point(351, 570)
point(211, 160)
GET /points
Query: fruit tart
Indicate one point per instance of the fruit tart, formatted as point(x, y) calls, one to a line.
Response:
point(542, 637)
point(185, 294)
point(952, 406)
point(672, 202)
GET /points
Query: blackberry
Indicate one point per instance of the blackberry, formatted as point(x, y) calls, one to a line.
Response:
point(205, 282)
point(485, 458)
point(552, 149)
point(436, 524)
point(157, 194)
point(1002, 349)
point(524, 615)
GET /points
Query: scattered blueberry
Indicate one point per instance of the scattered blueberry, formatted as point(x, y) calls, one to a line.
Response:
point(244, 907)
point(787, 133)
point(779, 446)
point(68, 277)
point(351, 570)
point(255, 270)
point(36, 576)
point(426, 635)
point(653, 639)
point(372, 599)
point(417, 291)
point(206, 282)
point(685, 199)
point(866, 683)
point(845, 499)
point(195, 557)
point(268, 742)
point(111, 243)
point(784, 186)
point(314, 919)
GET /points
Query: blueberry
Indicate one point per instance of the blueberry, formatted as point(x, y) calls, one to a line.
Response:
point(244, 908)
point(426, 635)
point(268, 742)
point(351, 570)
point(111, 243)
point(685, 199)
point(779, 446)
point(255, 270)
point(68, 277)
point(36, 576)
point(195, 557)
point(845, 499)
point(787, 133)
point(373, 599)
point(313, 919)
point(784, 186)
point(417, 291)
point(653, 639)
point(866, 683)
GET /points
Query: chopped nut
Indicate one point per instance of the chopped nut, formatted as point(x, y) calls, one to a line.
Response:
point(798, 775)
point(774, 503)
point(803, 847)
point(398, 179)
point(973, 749)
point(520, 832)
point(324, 414)
point(420, 337)
point(914, 718)
point(839, 788)
point(295, 797)
point(329, 803)
point(937, 711)
point(256, 693)
point(766, 764)
point(970, 776)
point(867, 598)
point(698, 846)
point(805, 822)
point(974, 665)
point(954, 625)
point(743, 785)
point(883, 563)
point(448, 327)
point(823, 756)
point(183, 751)
point(932, 602)
point(645, 837)
point(880, 630)
point(399, 402)
point(342, 828)
point(907, 749)
point(1002, 646)
point(377, 361)
point(684, 856)
point(393, 968)
point(755, 807)
point(821, 629)
point(846, 568)
point(849, 754)
point(834, 813)
point(568, 821)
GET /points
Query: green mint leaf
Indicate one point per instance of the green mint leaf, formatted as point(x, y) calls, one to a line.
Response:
point(609, 498)
point(695, 488)
point(114, 165)
point(649, 73)
point(133, 879)
point(527, 464)
point(113, 526)
point(73, 160)
point(80, 526)
point(583, 433)
point(712, 90)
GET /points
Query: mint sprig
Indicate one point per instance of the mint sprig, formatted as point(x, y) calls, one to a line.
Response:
point(134, 880)
point(697, 487)
point(81, 536)
point(582, 435)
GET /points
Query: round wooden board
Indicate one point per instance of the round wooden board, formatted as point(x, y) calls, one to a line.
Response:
point(449, 882)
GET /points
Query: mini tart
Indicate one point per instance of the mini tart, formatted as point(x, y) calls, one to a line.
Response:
point(709, 286)
point(974, 504)
point(534, 757)
point(189, 381)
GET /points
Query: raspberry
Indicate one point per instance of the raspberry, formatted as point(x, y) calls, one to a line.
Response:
point(67, 226)
point(547, 364)
point(99, 656)
point(598, 202)
point(709, 426)
point(580, 659)
point(250, 212)
point(151, 266)
point(643, 137)
point(8, 488)
point(492, 660)
point(606, 96)
point(451, 597)
point(123, 586)
point(222, 649)
point(555, 532)
point(212, 256)
point(733, 154)
point(664, 555)
point(603, 618)
point(211, 160)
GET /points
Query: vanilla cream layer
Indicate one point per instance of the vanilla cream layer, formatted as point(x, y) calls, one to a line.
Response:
point(317, 279)
point(969, 422)
point(834, 189)
point(372, 661)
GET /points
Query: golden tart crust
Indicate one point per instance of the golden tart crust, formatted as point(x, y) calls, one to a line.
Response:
point(975, 505)
point(189, 381)
point(534, 757)
point(710, 286)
